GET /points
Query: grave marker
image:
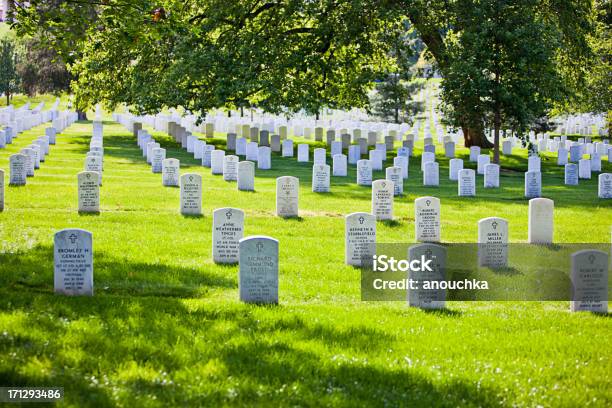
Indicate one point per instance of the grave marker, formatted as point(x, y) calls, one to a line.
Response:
point(170, 172)
point(287, 196)
point(360, 239)
point(191, 194)
point(89, 191)
point(382, 199)
point(540, 229)
point(73, 262)
point(258, 269)
point(228, 230)
point(427, 219)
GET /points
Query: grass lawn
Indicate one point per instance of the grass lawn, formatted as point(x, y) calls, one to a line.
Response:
point(165, 327)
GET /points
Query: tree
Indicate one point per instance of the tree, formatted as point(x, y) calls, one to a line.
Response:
point(504, 57)
point(9, 79)
point(296, 54)
point(41, 70)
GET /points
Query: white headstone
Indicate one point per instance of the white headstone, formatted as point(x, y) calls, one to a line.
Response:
point(376, 159)
point(320, 178)
point(493, 242)
point(571, 174)
point(474, 153)
point(287, 196)
point(402, 163)
point(431, 175)
point(216, 161)
point(252, 151)
point(427, 157)
point(589, 277)
point(230, 168)
point(302, 153)
point(427, 219)
point(18, 169)
point(241, 145)
point(171, 172)
point(394, 174)
point(94, 163)
point(360, 239)
point(258, 269)
point(604, 189)
point(419, 296)
point(491, 176)
point(534, 163)
point(507, 147)
point(455, 165)
point(89, 191)
point(287, 148)
point(467, 183)
point(382, 199)
point(364, 173)
point(264, 158)
point(540, 229)
point(339, 165)
point(584, 168)
point(73, 262)
point(228, 229)
point(562, 156)
point(246, 176)
point(533, 184)
point(483, 160)
point(354, 154)
point(191, 194)
point(159, 154)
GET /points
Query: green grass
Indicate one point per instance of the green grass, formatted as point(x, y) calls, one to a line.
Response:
point(165, 327)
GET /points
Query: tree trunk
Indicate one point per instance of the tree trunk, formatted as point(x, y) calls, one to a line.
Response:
point(396, 115)
point(475, 137)
point(8, 98)
point(242, 111)
point(496, 137)
point(81, 115)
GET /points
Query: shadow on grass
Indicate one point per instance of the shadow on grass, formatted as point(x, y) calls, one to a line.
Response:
point(107, 349)
point(33, 269)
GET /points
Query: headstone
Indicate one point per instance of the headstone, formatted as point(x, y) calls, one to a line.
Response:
point(264, 138)
point(360, 239)
point(575, 153)
point(474, 153)
point(264, 158)
point(431, 175)
point(595, 162)
point(584, 168)
point(330, 136)
point(540, 229)
point(363, 146)
point(589, 277)
point(571, 174)
point(31, 160)
point(507, 147)
point(372, 138)
point(429, 148)
point(230, 168)
point(394, 174)
point(170, 172)
point(339, 165)
point(534, 163)
point(216, 161)
point(246, 176)
point(493, 242)
point(282, 130)
point(287, 148)
point(89, 191)
point(258, 270)
point(364, 173)
point(427, 157)
point(52, 133)
point(287, 196)
point(302, 153)
point(191, 194)
point(18, 169)
point(562, 157)
point(241, 145)
point(319, 134)
point(159, 154)
point(94, 163)
point(449, 149)
point(320, 178)
point(427, 219)
point(491, 176)
point(275, 143)
point(254, 135)
point(231, 142)
point(319, 156)
point(382, 199)
point(354, 154)
point(533, 184)
point(419, 296)
point(228, 230)
point(207, 155)
point(467, 183)
point(402, 163)
point(252, 151)
point(483, 160)
point(336, 148)
point(455, 165)
point(604, 189)
point(73, 262)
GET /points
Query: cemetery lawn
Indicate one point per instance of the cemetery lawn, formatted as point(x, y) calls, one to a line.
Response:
point(165, 327)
